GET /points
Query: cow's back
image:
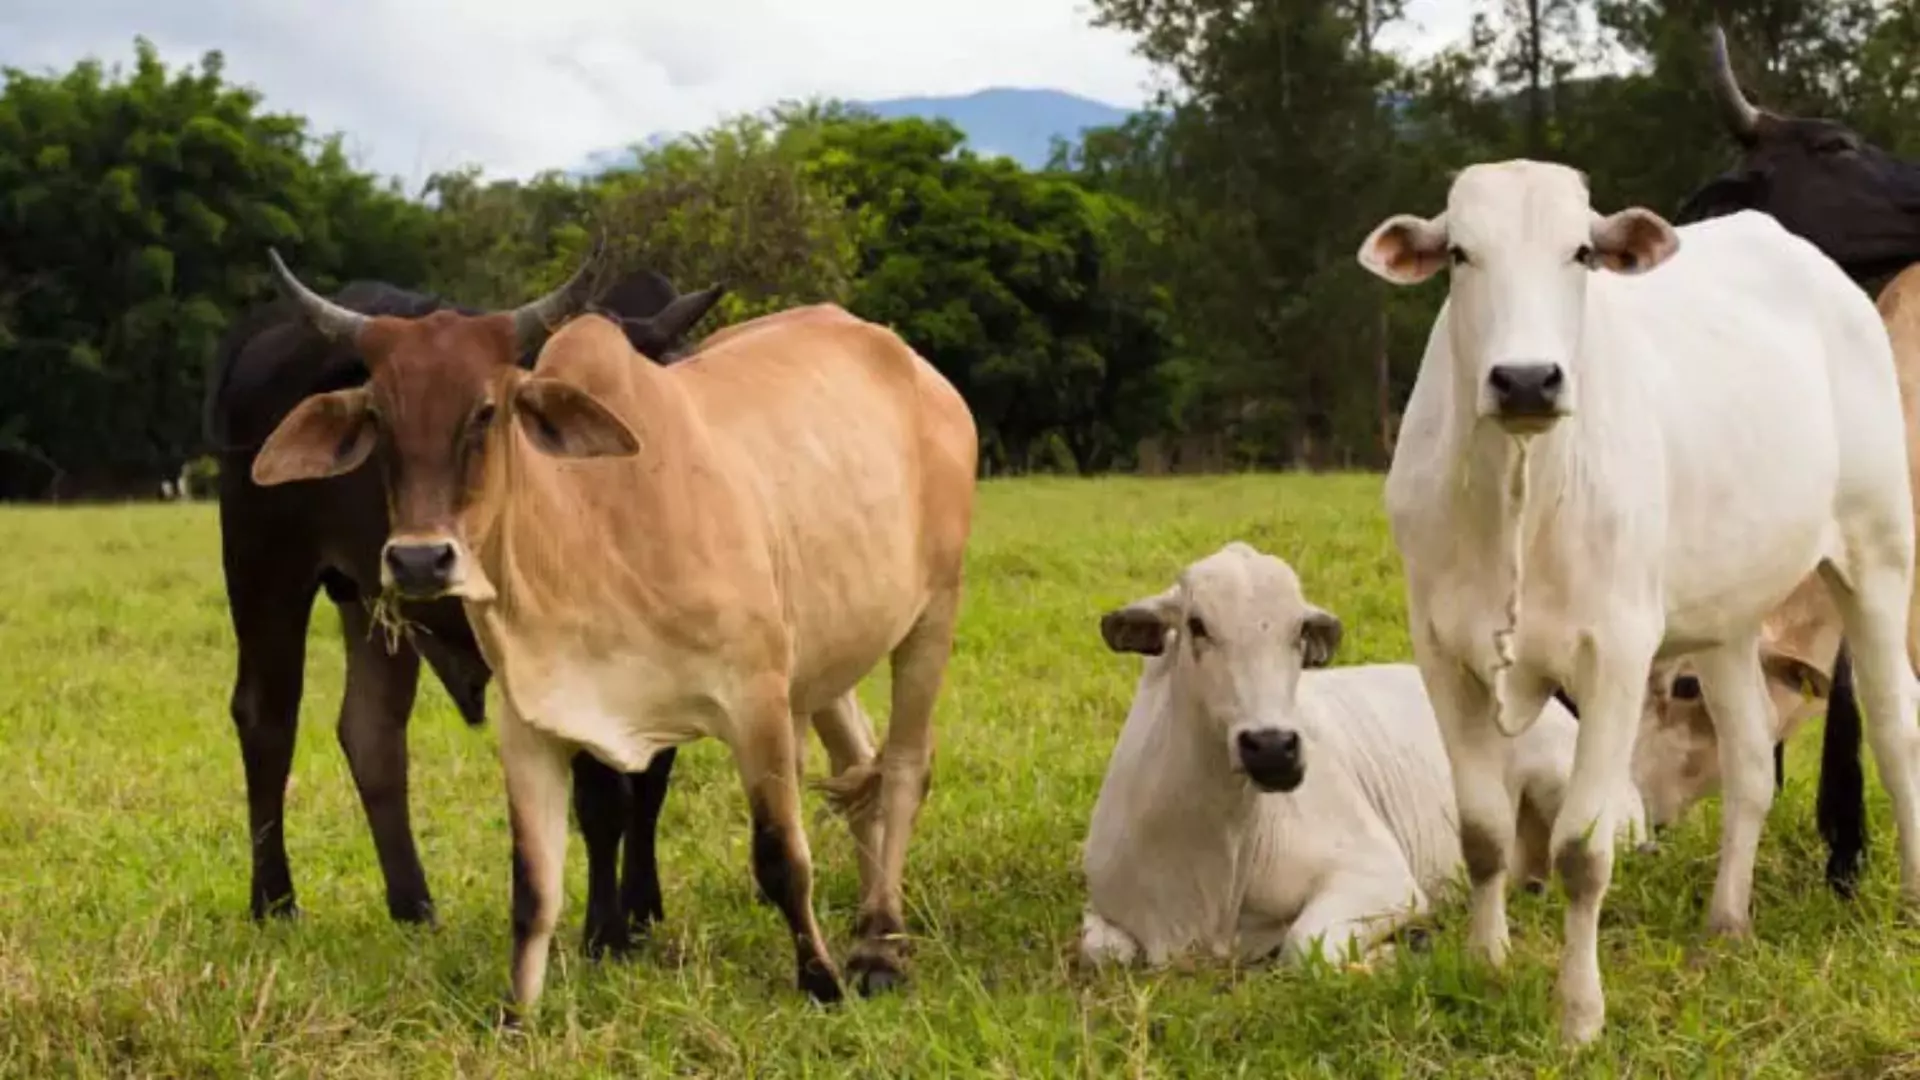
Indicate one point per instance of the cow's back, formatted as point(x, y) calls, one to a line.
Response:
point(859, 458)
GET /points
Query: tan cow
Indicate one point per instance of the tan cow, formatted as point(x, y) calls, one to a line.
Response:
point(1676, 757)
point(648, 555)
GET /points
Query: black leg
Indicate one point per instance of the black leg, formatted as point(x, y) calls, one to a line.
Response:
point(599, 802)
point(373, 731)
point(640, 896)
point(1840, 807)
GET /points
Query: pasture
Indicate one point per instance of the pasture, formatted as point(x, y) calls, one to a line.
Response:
point(125, 948)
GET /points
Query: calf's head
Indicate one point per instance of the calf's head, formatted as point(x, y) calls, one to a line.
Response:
point(444, 391)
point(1676, 755)
point(1521, 239)
point(1234, 633)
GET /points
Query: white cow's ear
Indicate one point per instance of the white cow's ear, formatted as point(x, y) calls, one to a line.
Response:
point(1633, 241)
point(1142, 626)
point(1320, 635)
point(1405, 249)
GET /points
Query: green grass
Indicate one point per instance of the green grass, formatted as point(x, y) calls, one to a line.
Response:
point(125, 947)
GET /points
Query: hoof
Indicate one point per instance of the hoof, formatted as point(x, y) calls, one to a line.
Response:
point(508, 1016)
point(1581, 1027)
point(605, 946)
point(282, 909)
point(1418, 940)
point(1534, 887)
point(1730, 927)
point(818, 982)
point(414, 913)
point(874, 976)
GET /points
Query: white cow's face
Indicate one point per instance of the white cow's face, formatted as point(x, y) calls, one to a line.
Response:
point(1521, 239)
point(1239, 633)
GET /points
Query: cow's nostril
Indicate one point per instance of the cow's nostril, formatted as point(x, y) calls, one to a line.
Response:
point(1500, 380)
point(443, 560)
point(1288, 742)
point(1554, 378)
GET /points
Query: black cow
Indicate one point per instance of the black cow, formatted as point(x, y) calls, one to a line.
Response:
point(279, 545)
point(1861, 207)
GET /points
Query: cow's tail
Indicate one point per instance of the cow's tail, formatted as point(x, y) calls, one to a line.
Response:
point(1840, 808)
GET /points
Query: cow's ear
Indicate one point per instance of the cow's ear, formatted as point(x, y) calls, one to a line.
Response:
point(1405, 249)
point(325, 435)
point(1142, 626)
point(1795, 673)
point(565, 421)
point(1633, 241)
point(657, 334)
point(1320, 635)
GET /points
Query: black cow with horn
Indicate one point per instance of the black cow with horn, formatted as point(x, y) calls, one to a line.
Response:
point(281, 545)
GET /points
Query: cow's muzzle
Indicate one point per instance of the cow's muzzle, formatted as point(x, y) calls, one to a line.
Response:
point(420, 569)
point(1527, 394)
point(1272, 757)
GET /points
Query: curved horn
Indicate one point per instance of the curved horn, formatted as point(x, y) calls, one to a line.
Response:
point(1740, 115)
point(533, 321)
point(333, 321)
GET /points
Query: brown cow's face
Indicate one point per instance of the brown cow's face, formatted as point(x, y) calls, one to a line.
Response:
point(439, 386)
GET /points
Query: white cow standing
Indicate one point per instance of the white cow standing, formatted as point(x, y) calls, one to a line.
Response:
point(1250, 807)
point(1601, 465)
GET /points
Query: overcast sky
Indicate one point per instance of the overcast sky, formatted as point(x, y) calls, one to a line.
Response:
point(521, 85)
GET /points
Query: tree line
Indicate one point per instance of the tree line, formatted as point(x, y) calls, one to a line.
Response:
point(1178, 291)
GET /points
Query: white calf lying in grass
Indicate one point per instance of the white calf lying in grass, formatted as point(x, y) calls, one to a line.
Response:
point(1250, 807)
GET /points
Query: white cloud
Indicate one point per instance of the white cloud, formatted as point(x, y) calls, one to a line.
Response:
point(522, 85)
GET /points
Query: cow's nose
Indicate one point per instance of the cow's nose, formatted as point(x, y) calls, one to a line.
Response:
point(421, 569)
point(1526, 390)
point(1271, 757)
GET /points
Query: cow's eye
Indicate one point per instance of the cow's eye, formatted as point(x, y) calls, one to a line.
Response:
point(1196, 629)
point(1457, 255)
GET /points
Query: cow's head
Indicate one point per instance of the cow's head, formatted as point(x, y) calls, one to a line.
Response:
point(1676, 756)
point(444, 389)
point(1233, 635)
point(1858, 204)
point(1521, 239)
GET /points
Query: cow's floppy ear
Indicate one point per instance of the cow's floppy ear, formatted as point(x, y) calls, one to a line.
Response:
point(1796, 673)
point(657, 334)
point(1319, 637)
point(1633, 241)
point(565, 421)
point(1405, 249)
point(1142, 626)
point(325, 435)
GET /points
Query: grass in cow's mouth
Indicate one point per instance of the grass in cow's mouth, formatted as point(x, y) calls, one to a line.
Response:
point(386, 619)
point(125, 947)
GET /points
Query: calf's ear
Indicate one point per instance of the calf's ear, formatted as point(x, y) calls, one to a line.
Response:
point(565, 421)
point(1320, 635)
point(1791, 671)
point(1140, 627)
point(325, 435)
point(1633, 241)
point(1405, 249)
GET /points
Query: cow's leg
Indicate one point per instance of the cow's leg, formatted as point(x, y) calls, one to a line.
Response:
point(1355, 913)
point(1734, 689)
point(536, 770)
point(1583, 831)
point(1477, 759)
point(600, 803)
point(1840, 807)
point(374, 710)
point(905, 771)
point(768, 757)
point(1874, 609)
point(848, 736)
point(641, 901)
point(270, 600)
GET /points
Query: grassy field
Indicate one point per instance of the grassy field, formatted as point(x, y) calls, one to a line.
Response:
point(125, 947)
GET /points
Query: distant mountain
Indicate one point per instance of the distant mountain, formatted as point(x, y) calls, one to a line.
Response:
point(1019, 123)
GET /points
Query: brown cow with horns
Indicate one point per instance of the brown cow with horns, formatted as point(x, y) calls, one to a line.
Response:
point(648, 555)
